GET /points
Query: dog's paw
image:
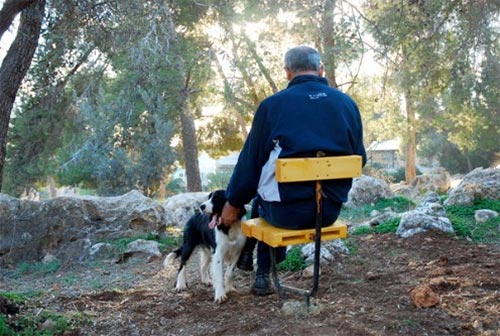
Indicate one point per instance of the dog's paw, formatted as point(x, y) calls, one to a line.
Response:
point(220, 298)
point(181, 287)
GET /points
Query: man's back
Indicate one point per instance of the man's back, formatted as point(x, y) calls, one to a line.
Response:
point(307, 117)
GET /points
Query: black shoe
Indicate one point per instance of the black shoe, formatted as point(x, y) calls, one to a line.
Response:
point(245, 261)
point(262, 285)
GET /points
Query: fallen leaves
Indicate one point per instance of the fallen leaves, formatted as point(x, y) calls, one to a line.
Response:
point(424, 297)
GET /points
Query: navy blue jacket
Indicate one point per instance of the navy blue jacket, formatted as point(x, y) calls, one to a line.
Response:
point(306, 117)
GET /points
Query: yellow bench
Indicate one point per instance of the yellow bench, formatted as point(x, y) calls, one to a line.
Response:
point(305, 169)
point(275, 237)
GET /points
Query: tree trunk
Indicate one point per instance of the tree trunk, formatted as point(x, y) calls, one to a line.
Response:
point(411, 146)
point(14, 68)
point(9, 11)
point(190, 149)
point(469, 163)
point(162, 192)
point(188, 129)
point(52, 187)
point(328, 42)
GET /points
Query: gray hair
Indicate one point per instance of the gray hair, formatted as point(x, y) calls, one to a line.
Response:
point(302, 58)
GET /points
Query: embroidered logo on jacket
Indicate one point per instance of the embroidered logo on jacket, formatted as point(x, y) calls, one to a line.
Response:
point(317, 95)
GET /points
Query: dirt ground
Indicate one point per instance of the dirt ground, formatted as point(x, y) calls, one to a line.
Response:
point(367, 293)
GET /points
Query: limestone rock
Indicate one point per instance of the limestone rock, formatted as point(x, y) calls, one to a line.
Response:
point(417, 221)
point(484, 215)
point(179, 208)
point(308, 253)
point(367, 190)
point(67, 227)
point(104, 252)
point(328, 250)
point(403, 190)
point(377, 220)
point(478, 184)
point(141, 246)
point(438, 181)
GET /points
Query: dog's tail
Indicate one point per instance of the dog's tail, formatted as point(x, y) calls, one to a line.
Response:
point(171, 256)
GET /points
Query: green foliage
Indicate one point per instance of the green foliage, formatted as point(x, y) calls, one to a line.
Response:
point(4, 327)
point(170, 240)
point(444, 72)
point(380, 108)
point(106, 121)
point(14, 297)
point(176, 186)
point(222, 134)
point(218, 180)
point(388, 226)
point(435, 144)
point(397, 204)
point(105, 92)
point(465, 226)
point(38, 268)
point(363, 230)
point(293, 261)
point(26, 323)
point(352, 244)
point(389, 176)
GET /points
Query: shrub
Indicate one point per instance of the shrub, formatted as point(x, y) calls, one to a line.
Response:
point(352, 244)
point(37, 268)
point(169, 241)
point(388, 226)
point(293, 261)
point(397, 204)
point(465, 226)
point(217, 180)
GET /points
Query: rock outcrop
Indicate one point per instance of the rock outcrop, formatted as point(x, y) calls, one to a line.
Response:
point(438, 181)
point(478, 184)
point(428, 215)
point(367, 190)
point(179, 208)
point(67, 227)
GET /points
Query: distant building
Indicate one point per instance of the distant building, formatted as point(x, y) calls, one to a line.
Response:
point(209, 166)
point(227, 163)
point(385, 153)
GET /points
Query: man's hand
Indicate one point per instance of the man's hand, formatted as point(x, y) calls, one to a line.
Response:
point(230, 214)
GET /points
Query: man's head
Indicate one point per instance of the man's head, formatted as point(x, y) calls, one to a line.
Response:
point(303, 60)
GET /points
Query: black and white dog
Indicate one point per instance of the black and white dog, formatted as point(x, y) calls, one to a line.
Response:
point(218, 244)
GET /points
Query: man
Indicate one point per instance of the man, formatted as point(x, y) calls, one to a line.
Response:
point(307, 117)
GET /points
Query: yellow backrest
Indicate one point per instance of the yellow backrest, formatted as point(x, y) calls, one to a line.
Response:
point(318, 168)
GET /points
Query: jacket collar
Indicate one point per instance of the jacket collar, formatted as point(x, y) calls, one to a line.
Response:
point(307, 78)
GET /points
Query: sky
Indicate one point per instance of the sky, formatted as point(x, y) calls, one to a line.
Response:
point(8, 37)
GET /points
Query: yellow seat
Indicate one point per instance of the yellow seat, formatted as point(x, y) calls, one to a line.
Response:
point(261, 230)
point(317, 169)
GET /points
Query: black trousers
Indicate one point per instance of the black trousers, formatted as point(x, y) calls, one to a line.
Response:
point(292, 215)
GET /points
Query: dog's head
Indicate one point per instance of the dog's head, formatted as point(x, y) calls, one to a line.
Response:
point(214, 205)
